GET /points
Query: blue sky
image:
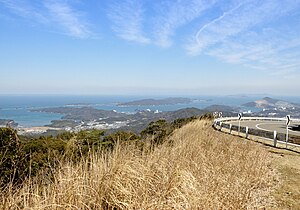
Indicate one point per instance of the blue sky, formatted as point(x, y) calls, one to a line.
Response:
point(150, 47)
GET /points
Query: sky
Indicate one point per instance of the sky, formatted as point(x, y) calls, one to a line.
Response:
point(150, 47)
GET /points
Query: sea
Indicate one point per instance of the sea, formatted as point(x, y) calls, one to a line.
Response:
point(19, 107)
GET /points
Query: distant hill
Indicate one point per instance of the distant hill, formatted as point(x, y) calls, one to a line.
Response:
point(183, 113)
point(268, 103)
point(275, 108)
point(220, 108)
point(5, 122)
point(157, 102)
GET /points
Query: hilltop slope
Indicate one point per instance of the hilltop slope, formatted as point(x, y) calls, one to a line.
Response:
point(197, 168)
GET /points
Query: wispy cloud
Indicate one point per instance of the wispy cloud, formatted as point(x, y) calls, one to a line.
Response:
point(253, 33)
point(232, 22)
point(127, 17)
point(69, 19)
point(55, 14)
point(248, 34)
point(26, 9)
point(174, 14)
point(262, 52)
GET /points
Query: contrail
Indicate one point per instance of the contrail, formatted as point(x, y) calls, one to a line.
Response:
point(215, 20)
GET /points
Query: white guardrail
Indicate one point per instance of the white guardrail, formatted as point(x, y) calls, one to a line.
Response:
point(224, 124)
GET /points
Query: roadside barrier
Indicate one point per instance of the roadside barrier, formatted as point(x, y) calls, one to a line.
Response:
point(274, 138)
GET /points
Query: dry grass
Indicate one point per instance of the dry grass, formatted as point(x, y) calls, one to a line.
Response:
point(198, 168)
point(287, 164)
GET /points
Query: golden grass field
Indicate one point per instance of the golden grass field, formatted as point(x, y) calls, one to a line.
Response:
point(197, 168)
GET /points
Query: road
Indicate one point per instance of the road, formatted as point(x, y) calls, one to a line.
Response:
point(279, 126)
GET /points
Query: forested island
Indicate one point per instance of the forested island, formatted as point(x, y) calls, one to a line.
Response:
point(157, 102)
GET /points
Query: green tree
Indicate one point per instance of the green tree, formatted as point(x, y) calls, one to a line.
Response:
point(156, 131)
point(85, 141)
point(11, 157)
point(119, 136)
point(43, 153)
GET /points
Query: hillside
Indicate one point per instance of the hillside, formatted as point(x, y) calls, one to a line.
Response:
point(196, 168)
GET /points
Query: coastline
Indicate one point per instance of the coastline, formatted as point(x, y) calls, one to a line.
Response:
point(35, 130)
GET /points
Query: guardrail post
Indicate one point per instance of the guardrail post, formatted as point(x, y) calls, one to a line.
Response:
point(275, 138)
point(239, 117)
point(230, 128)
point(220, 126)
point(247, 131)
point(287, 136)
point(288, 120)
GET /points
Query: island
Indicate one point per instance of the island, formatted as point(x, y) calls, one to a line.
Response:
point(157, 102)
